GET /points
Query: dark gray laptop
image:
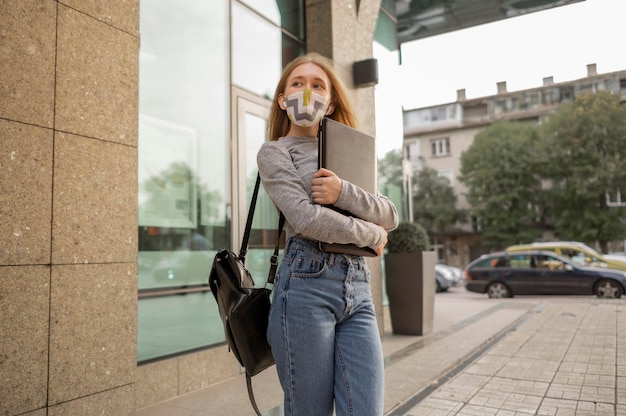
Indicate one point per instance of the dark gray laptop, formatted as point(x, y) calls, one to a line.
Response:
point(351, 154)
point(348, 152)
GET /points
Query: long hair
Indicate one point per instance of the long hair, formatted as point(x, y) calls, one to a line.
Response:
point(343, 113)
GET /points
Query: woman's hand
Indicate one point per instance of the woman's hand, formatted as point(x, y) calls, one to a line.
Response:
point(326, 187)
point(379, 250)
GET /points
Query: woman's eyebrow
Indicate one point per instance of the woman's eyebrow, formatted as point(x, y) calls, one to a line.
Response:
point(300, 77)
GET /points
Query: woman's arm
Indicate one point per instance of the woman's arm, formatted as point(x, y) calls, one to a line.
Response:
point(329, 189)
point(286, 188)
point(373, 208)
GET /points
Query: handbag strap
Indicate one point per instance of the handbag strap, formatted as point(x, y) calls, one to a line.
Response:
point(273, 265)
point(246, 234)
point(251, 394)
point(274, 259)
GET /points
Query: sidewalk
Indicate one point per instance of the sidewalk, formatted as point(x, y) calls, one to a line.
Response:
point(521, 356)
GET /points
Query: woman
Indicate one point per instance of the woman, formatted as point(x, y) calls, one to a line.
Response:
point(322, 328)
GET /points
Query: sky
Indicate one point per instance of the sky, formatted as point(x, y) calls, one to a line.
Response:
point(522, 51)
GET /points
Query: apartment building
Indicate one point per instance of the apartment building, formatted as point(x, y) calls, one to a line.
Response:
point(436, 136)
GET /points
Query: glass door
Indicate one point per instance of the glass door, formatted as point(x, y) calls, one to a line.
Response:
point(249, 133)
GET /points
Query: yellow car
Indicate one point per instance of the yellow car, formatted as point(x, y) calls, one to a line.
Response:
point(578, 252)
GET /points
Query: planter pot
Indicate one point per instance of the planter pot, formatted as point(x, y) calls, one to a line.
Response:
point(410, 284)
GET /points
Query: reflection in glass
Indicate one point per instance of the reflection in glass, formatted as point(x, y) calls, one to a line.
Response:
point(255, 68)
point(263, 235)
point(171, 324)
point(184, 171)
point(183, 140)
point(287, 14)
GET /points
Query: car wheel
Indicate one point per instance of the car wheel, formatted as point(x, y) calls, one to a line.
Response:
point(498, 290)
point(608, 289)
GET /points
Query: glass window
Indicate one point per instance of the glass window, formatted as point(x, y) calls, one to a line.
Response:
point(265, 222)
point(284, 13)
point(184, 171)
point(520, 261)
point(440, 147)
point(257, 64)
point(385, 33)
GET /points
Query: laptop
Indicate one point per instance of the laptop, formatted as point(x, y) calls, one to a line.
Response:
point(351, 154)
point(348, 152)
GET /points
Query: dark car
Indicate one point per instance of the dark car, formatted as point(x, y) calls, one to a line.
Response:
point(506, 274)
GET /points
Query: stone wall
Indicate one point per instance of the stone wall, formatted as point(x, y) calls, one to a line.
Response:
point(68, 191)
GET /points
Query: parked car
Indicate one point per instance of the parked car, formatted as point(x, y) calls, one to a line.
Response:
point(578, 252)
point(618, 255)
point(452, 274)
point(533, 272)
point(441, 283)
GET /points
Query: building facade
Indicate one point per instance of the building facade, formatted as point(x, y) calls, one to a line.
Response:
point(128, 135)
point(436, 137)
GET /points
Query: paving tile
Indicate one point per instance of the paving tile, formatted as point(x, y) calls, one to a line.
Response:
point(471, 410)
point(435, 407)
point(586, 408)
point(599, 381)
point(521, 373)
point(569, 378)
point(597, 394)
point(522, 403)
point(553, 407)
point(564, 391)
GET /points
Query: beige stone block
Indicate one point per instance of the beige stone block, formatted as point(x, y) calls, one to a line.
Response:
point(93, 327)
point(122, 14)
point(319, 28)
point(27, 57)
point(204, 368)
point(368, 14)
point(38, 412)
point(97, 79)
point(95, 194)
point(116, 402)
point(24, 294)
point(25, 193)
point(156, 382)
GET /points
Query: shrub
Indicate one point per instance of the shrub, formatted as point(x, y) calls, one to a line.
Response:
point(409, 237)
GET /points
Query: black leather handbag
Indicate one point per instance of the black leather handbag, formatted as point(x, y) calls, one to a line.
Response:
point(243, 308)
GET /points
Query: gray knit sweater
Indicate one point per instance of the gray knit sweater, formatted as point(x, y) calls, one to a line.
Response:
point(287, 166)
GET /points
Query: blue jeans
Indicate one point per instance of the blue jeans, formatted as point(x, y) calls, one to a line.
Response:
point(323, 334)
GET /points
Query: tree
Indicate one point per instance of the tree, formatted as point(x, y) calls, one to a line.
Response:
point(585, 153)
point(390, 169)
point(390, 179)
point(434, 202)
point(500, 171)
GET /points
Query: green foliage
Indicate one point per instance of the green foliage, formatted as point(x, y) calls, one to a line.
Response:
point(390, 170)
point(585, 143)
point(524, 179)
point(409, 237)
point(434, 203)
point(501, 171)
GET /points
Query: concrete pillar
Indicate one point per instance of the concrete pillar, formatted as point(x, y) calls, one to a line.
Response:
point(68, 252)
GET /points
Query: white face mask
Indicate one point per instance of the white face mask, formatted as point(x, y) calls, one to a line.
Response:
point(305, 108)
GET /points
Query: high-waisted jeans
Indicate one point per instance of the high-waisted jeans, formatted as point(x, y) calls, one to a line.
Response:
point(323, 334)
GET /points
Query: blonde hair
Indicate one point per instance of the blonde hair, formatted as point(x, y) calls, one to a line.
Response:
point(343, 113)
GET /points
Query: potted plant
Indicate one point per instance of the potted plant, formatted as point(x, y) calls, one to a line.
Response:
point(410, 280)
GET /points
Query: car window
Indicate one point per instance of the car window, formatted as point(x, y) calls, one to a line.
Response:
point(546, 262)
point(576, 255)
point(520, 261)
point(492, 262)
